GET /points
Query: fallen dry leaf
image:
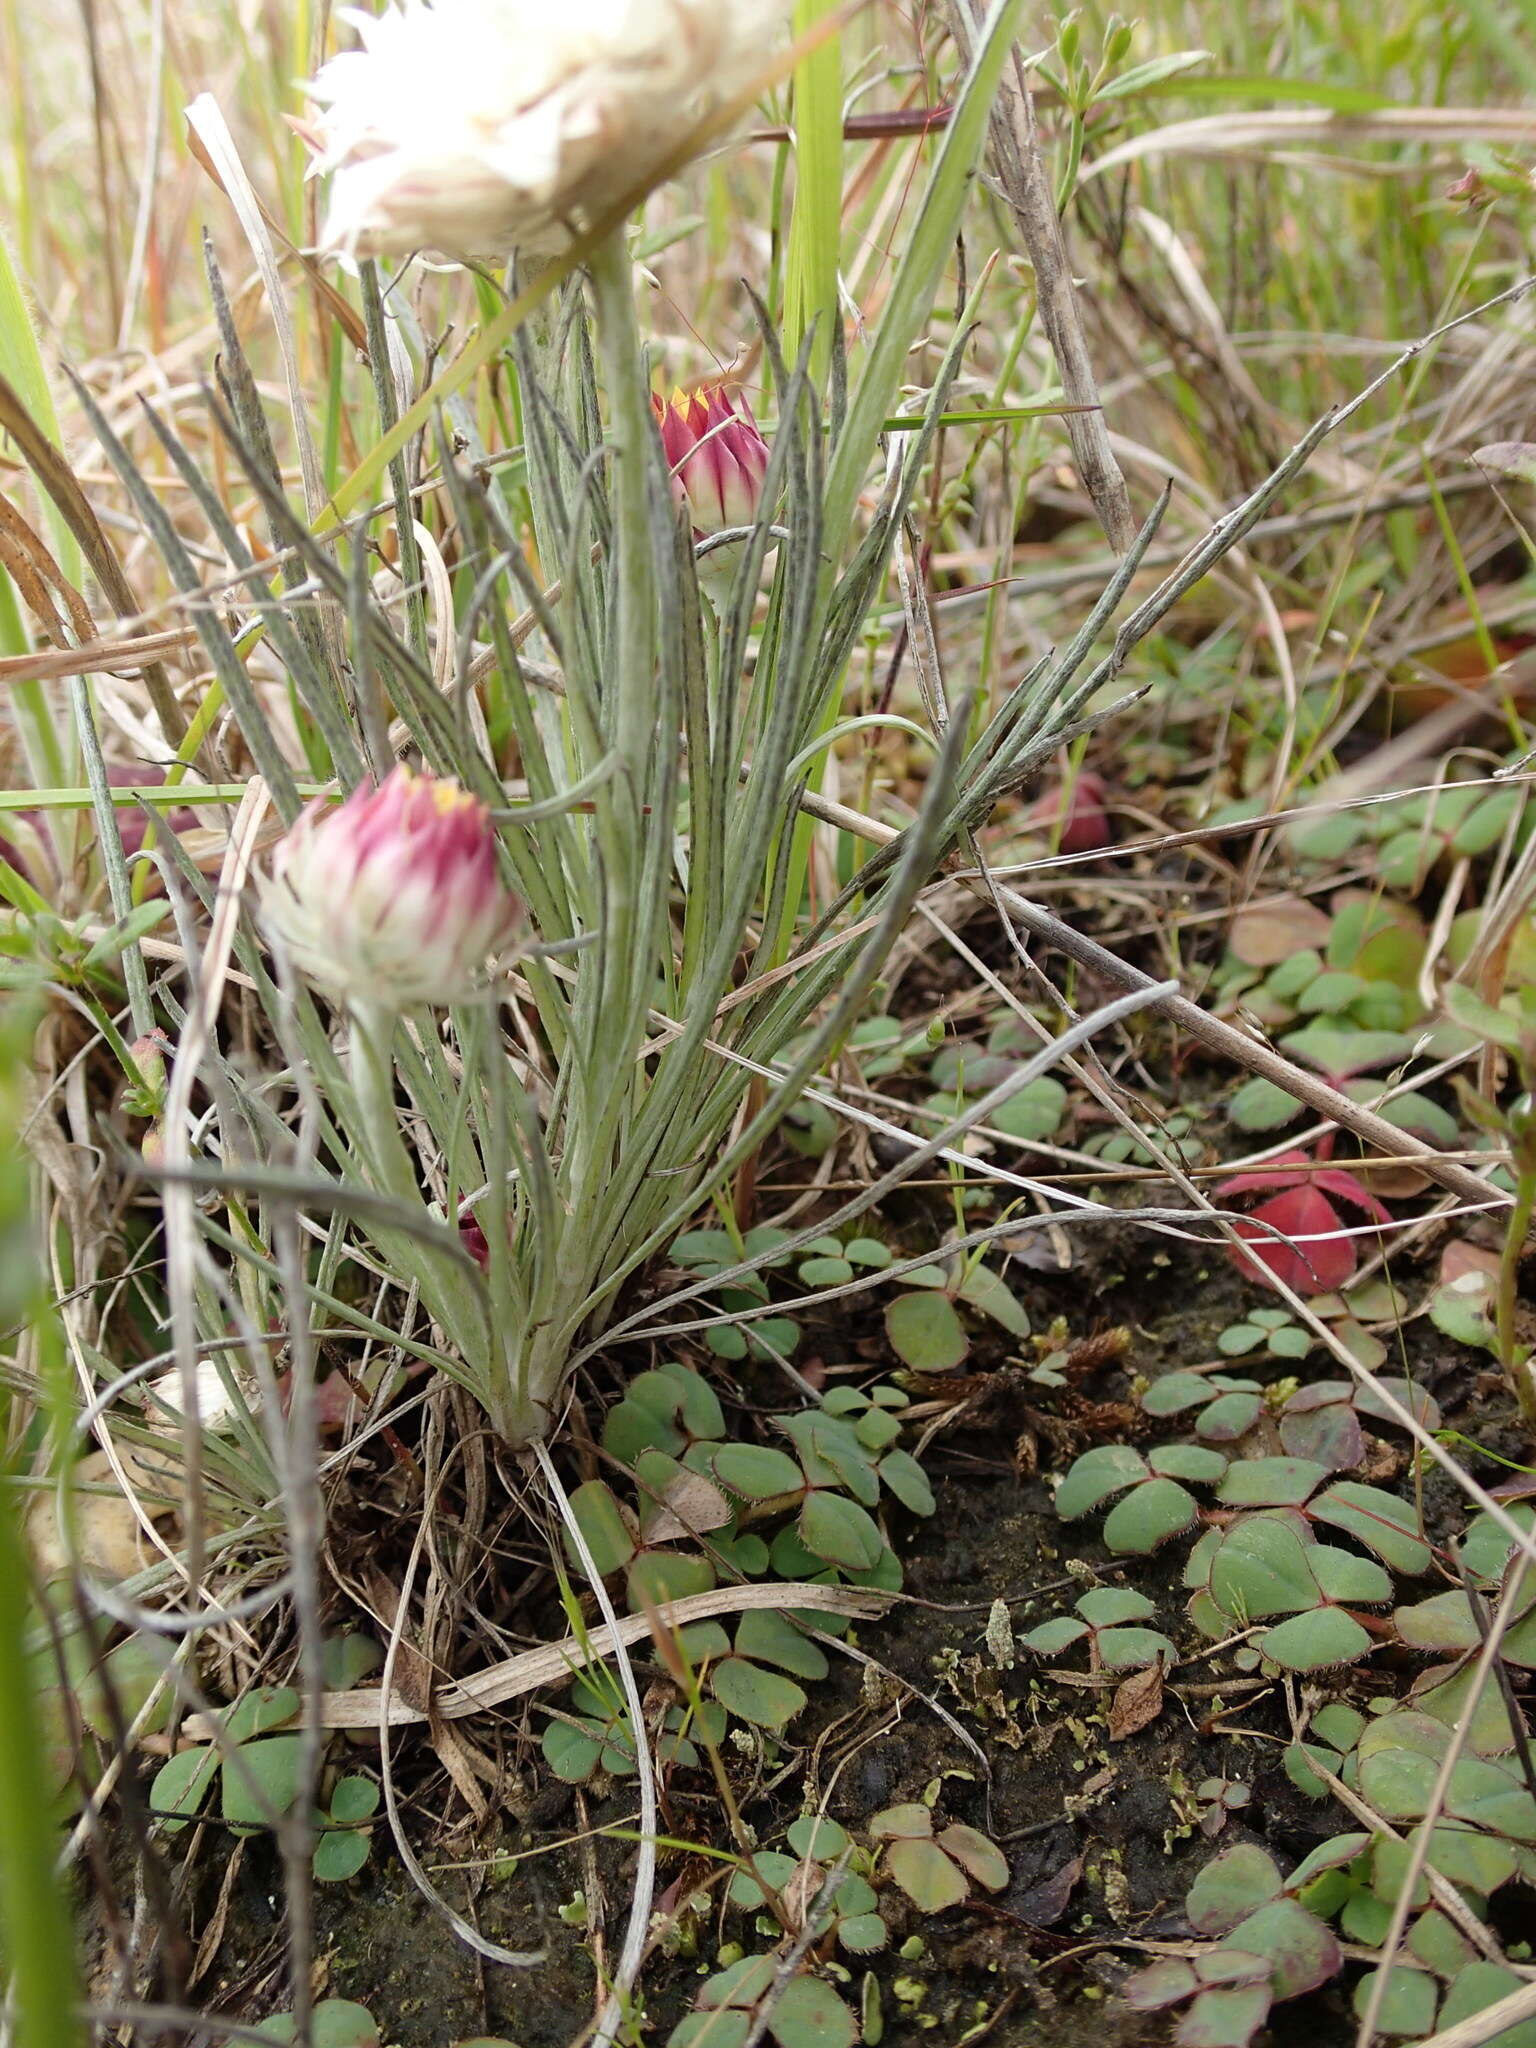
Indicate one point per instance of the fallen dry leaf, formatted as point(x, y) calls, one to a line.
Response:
point(1266, 933)
point(690, 1505)
point(1136, 1703)
point(1462, 1256)
point(109, 1540)
point(1044, 1903)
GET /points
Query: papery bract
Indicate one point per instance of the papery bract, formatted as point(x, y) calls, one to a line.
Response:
point(472, 127)
point(717, 456)
point(393, 899)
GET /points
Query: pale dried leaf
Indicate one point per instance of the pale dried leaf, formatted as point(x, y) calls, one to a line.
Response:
point(1137, 1703)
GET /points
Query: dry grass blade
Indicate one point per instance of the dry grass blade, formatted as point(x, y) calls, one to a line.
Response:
point(1221, 135)
point(1247, 1052)
point(1020, 167)
point(557, 1663)
point(55, 476)
point(1489, 2024)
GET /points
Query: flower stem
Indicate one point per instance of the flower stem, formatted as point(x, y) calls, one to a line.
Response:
point(449, 1294)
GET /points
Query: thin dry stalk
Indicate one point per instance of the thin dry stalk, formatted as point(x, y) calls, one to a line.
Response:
point(1020, 169)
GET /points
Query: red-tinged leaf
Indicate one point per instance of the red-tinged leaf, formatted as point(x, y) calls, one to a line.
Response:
point(1225, 2017)
point(1283, 1171)
point(1302, 1951)
point(1345, 1188)
point(1309, 1256)
point(1085, 827)
point(1160, 1984)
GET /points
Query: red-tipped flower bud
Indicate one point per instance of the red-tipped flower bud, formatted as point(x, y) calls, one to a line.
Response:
point(717, 456)
point(395, 897)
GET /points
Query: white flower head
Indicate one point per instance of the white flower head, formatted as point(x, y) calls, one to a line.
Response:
point(473, 127)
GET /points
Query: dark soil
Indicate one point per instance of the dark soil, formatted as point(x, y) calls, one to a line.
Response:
point(1099, 1834)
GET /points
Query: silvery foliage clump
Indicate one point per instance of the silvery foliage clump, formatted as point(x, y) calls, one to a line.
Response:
point(672, 1003)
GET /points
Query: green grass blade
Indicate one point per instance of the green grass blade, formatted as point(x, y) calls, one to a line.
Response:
point(815, 229)
point(915, 285)
point(38, 1943)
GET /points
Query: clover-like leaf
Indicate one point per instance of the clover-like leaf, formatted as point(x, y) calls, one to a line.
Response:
point(181, 1785)
point(262, 1709)
point(765, 1698)
point(1229, 1417)
point(769, 1867)
point(1230, 1887)
point(901, 1472)
point(1160, 1985)
point(1270, 1482)
point(877, 1429)
point(1133, 1649)
point(1463, 1309)
point(263, 1791)
point(1033, 1112)
point(1400, 1782)
point(1096, 1475)
point(340, 1854)
point(979, 1857)
point(1302, 1952)
point(1259, 1105)
point(756, 1471)
point(862, 1934)
point(1155, 1512)
point(1486, 1547)
point(659, 1576)
point(840, 1531)
point(1190, 1462)
point(926, 1333)
point(816, 1836)
point(1260, 1568)
point(1225, 2016)
point(1050, 1638)
point(772, 1638)
point(1379, 1520)
point(1336, 1854)
point(1177, 1392)
point(1326, 1432)
point(1437, 1944)
point(910, 1818)
point(1110, 1606)
point(728, 2028)
point(983, 1289)
point(1408, 2006)
point(1477, 1987)
point(1316, 1642)
point(572, 1753)
point(930, 1880)
point(1347, 1578)
point(809, 2014)
point(334, 2023)
point(1445, 1623)
point(607, 1531)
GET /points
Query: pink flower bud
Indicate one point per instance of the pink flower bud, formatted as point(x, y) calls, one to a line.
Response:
point(717, 456)
point(393, 898)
